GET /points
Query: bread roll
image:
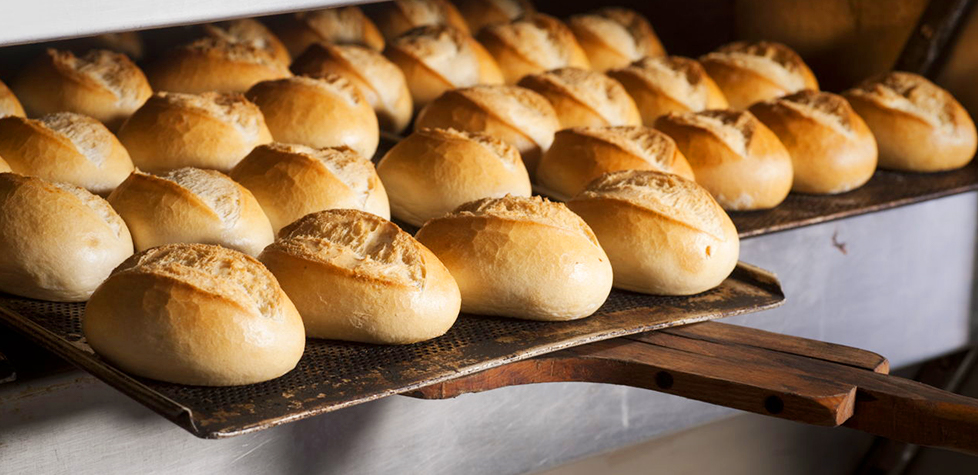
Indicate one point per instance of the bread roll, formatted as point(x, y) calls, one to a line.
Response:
point(344, 25)
point(831, 148)
point(512, 114)
point(65, 147)
point(9, 105)
point(919, 126)
point(398, 16)
point(195, 314)
point(433, 171)
point(379, 80)
point(614, 37)
point(213, 64)
point(191, 205)
point(326, 111)
point(251, 32)
point(582, 154)
point(481, 13)
point(664, 234)
point(584, 98)
point(291, 181)
point(532, 45)
point(436, 59)
point(129, 43)
point(749, 72)
point(101, 84)
point(355, 276)
point(57, 241)
point(520, 257)
point(669, 84)
point(733, 155)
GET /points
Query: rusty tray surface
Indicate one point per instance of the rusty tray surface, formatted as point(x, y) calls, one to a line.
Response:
point(332, 375)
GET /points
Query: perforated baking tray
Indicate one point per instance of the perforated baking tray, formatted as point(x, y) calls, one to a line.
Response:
point(333, 375)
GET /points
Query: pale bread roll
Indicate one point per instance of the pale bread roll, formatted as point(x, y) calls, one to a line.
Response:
point(434, 171)
point(291, 181)
point(251, 32)
point(832, 149)
point(918, 125)
point(584, 98)
point(436, 59)
point(319, 112)
point(9, 105)
point(532, 45)
point(214, 64)
point(512, 114)
point(65, 147)
point(526, 258)
point(57, 241)
point(355, 276)
point(195, 314)
point(379, 80)
point(664, 234)
point(190, 205)
point(344, 25)
point(733, 155)
point(101, 84)
point(614, 37)
point(481, 13)
point(581, 154)
point(208, 130)
point(398, 16)
point(749, 72)
point(669, 84)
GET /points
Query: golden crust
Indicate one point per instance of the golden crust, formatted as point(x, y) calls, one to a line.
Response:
point(669, 84)
point(9, 105)
point(344, 25)
point(252, 32)
point(532, 45)
point(584, 98)
point(750, 72)
point(481, 13)
point(215, 64)
point(398, 16)
point(614, 37)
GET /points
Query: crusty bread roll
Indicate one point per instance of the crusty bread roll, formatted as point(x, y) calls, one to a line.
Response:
point(101, 84)
point(733, 155)
point(57, 241)
point(65, 147)
point(584, 98)
point(664, 234)
point(614, 37)
point(436, 59)
point(918, 125)
point(749, 72)
point(9, 105)
point(251, 32)
point(195, 314)
point(582, 154)
point(355, 276)
point(532, 45)
point(379, 80)
point(129, 43)
point(214, 64)
point(434, 171)
point(291, 181)
point(669, 84)
point(209, 130)
point(481, 13)
point(326, 111)
point(344, 25)
point(832, 150)
point(398, 16)
point(520, 257)
point(513, 114)
point(191, 205)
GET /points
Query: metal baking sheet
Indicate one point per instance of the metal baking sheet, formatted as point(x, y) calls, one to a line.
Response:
point(333, 375)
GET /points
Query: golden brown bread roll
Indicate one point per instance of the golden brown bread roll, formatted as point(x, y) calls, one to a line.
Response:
point(532, 45)
point(520, 257)
point(749, 72)
point(919, 126)
point(291, 181)
point(436, 59)
point(481, 13)
point(65, 147)
point(101, 84)
point(832, 150)
point(355, 276)
point(614, 37)
point(252, 32)
point(209, 130)
point(57, 241)
point(433, 171)
point(195, 314)
point(581, 154)
point(9, 105)
point(584, 98)
point(398, 16)
point(513, 114)
point(733, 155)
point(344, 25)
point(214, 64)
point(129, 43)
point(669, 84)
point(664, 234)
point(379, 80)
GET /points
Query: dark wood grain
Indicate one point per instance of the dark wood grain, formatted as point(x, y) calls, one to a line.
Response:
point(937, 30)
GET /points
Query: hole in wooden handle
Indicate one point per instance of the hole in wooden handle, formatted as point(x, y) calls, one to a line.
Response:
point(663, 380)
point(774, 404)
